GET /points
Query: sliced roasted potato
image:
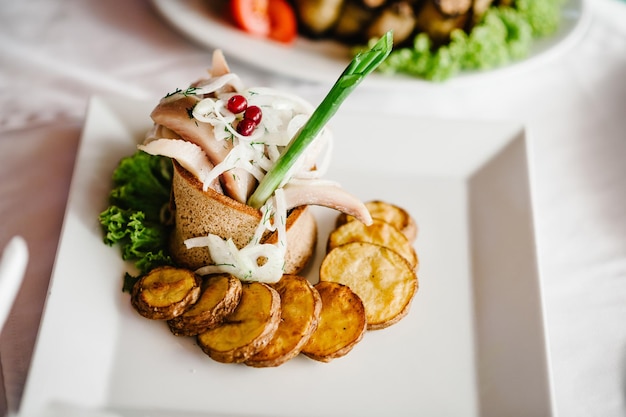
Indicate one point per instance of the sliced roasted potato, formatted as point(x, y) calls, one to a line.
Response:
point(436, 24)
point(390, 213)
point(219, 297)
point(248, 329)
point(341, 326)
point(300, 306)
point(373, 3)
point(453, 7)
point(399, 17)
point(165, 292)
point(379, 232)
point(318, 16)
point(378, 275)
point(352, 22)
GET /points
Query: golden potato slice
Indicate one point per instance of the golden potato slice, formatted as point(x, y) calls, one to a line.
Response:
point(248, 329)
point(378, 275)
point(342, 323)
point(379, 232)
point(165, 292)
point(300, 306)
point(219, 297)
point(390, 213)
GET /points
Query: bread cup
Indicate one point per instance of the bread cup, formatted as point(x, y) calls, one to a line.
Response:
point(199, 213)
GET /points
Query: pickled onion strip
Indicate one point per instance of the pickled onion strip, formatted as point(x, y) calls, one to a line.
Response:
point(213, 84)
point(243, 263)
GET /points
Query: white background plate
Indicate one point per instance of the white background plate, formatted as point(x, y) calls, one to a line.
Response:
point(323, 61)
point(473, 343)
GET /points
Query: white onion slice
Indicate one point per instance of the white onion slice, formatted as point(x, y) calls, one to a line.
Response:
point(242, 263)
point(211, 85)
point(266, 95)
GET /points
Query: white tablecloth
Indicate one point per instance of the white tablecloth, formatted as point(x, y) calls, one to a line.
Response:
point(54, 54)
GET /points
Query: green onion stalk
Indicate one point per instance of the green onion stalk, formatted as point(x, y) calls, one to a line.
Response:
point(361, 65)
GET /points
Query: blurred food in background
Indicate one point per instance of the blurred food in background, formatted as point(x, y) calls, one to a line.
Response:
point(433, 39)
point(357, 21)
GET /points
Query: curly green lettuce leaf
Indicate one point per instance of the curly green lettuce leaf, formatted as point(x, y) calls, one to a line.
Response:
point(142, 182)
point(135, 219)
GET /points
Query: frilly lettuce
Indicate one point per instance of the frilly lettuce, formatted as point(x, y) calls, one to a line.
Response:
point(136, 218)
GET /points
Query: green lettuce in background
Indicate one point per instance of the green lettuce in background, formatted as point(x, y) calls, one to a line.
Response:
point(505, 34)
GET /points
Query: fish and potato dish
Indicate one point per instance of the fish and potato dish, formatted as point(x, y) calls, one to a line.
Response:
point(218, 254)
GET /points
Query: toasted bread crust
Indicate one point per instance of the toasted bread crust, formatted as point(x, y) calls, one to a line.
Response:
point(199, 213)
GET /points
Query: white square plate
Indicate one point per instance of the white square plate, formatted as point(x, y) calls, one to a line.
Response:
point(473, 343)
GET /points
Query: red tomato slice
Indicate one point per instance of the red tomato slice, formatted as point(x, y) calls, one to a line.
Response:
point(251, 16)
point(283, 24)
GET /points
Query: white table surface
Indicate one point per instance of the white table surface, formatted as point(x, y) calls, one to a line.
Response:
point(54, 54)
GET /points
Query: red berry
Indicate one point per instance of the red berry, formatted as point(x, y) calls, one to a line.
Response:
point(245, 127)
point(253, 113)
point(237, 104)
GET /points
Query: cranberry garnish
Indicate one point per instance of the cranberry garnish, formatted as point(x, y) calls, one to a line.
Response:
point(245, 127)
point(253, 113)
point(237, 104)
